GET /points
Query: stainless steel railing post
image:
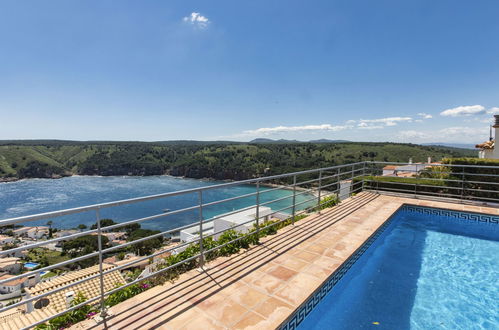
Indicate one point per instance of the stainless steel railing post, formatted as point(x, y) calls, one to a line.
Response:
point(462, 185)
point(350, 193)
point(294, 198)
point(363, 175)
point(101, 276)
point(257, 210)
point(319, 193)
point(201, 248)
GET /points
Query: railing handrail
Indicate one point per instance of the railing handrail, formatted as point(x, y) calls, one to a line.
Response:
point(435, 164)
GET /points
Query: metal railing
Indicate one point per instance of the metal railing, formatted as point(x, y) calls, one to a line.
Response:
point(455, 182)
point(309, 184)
point(419, 180)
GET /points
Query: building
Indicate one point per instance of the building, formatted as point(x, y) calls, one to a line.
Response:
point(37, 232)
point(242, 221)
point(4, 239)
point(488, 149)
point(11, 287)
point(61, 300)
point(408, 170)
point(11, 265)
point(20, 232)
point(32, 232)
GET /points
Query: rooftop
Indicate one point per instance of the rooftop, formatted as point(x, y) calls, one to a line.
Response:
point(486, 145)
point(262, 287)
point(89, 288)
point(14, 282)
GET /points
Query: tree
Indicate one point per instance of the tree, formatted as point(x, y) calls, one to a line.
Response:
point(49, 223)
point(82, 226)
point(82, 246)
point(147, 246)
point(104, 223)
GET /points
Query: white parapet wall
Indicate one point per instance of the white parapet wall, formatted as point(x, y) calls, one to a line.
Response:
point(242, 221)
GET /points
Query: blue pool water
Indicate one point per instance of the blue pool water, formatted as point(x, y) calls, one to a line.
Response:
point(30, 265)
point(43, 195)
point(423, 272)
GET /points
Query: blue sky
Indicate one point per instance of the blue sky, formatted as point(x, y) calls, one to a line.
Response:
point(234, 70)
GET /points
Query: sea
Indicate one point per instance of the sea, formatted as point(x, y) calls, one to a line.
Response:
point(33, 196)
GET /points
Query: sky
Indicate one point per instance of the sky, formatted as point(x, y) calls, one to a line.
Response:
point(400, 71)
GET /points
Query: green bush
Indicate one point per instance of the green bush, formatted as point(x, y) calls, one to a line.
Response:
point(68, 319)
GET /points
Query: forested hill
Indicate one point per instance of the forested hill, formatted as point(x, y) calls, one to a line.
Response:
point(225, 160)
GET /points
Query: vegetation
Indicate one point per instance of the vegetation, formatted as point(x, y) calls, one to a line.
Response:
point(145, 247)
point(446, 181)
point(46, 159)
point(45, 256)
point(229, 242)
point(68, 319)
point(84, 245)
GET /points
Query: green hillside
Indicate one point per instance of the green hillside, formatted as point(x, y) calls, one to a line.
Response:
point(28, 159)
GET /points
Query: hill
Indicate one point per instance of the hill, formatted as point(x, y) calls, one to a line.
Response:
point(217, 160)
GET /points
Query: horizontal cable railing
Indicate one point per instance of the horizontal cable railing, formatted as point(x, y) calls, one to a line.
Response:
point(307, 192)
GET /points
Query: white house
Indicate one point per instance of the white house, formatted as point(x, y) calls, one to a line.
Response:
point(488, 149)
point(4, 239)
point(241, 221)
point(21, 231)
point(10, 265)
point(38, 232)
point(13, 286)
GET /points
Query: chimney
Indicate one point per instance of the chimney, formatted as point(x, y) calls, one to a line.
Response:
point(410, 160)
point(496, 126)
point(429, 160)
point(69, 298)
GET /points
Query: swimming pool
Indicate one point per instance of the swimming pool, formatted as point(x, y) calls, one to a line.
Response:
point(31, 265)
point(424, 269)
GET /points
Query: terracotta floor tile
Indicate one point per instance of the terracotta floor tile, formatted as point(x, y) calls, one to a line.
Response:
point(316, 248)
point(248, 296)
point(293, 263)
point(251, 321)
point(202, 322)
point(317, 271)
point(307, 256)
point(328, 263)
point(267, 283)
point(273, 306)
point(282, 273)
point(227, 312)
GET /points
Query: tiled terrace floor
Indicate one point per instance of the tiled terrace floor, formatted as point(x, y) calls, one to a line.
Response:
point(261, 287)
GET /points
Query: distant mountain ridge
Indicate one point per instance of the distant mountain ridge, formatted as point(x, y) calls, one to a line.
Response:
point(451, 145)
point(220, 160)
point(263, 140)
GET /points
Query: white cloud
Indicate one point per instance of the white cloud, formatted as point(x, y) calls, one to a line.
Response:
point(493, 111)
point(389, 121)
point(285, 129)
point(197, 20)
point(425, 115)
point(465, 110)
point(448, 134)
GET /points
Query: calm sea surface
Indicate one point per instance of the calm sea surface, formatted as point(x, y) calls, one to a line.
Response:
point(42, 195)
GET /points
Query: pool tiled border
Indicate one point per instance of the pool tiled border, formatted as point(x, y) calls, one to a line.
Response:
point(301, 312)
point(461, 215)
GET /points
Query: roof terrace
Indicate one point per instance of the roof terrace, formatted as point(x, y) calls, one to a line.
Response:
point(269, 284)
